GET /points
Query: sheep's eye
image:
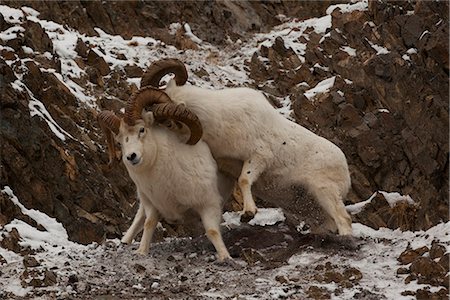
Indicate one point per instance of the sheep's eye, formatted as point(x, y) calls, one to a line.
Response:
point(119, 144)
point(142, 130)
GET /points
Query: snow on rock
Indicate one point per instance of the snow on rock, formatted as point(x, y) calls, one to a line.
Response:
point(345, 8)
point(190, 35)
point(380, 50)
point(55, 236)
point(263, 217)
point(322, 87)
point(351, 51)
point(377, 258)
point(37, 108)
point(358, 207)
point(394, 197)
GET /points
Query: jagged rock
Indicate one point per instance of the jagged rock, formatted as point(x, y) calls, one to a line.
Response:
point(437, 250)
point(409, 255)
point(82, 49)
point(36, 37)
point(133, 71)
point(426, 267)
point(11, 241)
point(316, 292)
point(98, 62)
point(378, 213)
point(410, 133)
point(30, 261)
point(38, 278)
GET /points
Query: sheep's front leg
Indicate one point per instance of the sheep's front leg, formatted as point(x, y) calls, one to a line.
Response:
point(250, 173)
point(136, 226)
point(151, 220)
point(211, 217)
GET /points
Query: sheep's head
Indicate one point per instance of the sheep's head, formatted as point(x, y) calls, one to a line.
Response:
point(160, 68)
point(133, 131)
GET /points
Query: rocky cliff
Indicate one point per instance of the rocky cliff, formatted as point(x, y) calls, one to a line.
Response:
point(387, 106)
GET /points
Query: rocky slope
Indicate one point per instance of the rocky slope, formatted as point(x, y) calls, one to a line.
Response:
point(387, 106)
point(371, 76)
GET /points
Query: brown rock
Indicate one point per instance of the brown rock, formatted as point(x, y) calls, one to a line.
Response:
point(2, 260)
point(315, 292)
point(353, 274)
point(437, 250)
point(445, 261)
point(36, 38)
point(282, 279)
point(98, 62)
point(424, 266)
point(30, 261)
point(133, 71)
point(410, 255)
point(402, 271)
point(11, 241)
point(81, 48)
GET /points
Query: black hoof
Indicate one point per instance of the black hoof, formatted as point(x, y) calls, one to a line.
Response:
point(247, 216)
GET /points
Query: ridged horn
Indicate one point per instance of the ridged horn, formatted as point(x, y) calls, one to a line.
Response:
point(109, 123)
point(160, 68)
point(181, 114)
point(144, 97)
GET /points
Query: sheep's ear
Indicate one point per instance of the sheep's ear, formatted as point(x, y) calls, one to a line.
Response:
point(148, 118)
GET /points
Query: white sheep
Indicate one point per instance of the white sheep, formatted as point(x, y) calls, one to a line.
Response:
point(171, 177)
point(239, 123)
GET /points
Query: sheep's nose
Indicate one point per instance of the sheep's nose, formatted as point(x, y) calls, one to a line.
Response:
point(131, 157)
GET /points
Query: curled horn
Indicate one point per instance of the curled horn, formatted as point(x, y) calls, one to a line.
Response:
point(182, 114)
point(160, 68)
point(144, 97)
point(109, 123)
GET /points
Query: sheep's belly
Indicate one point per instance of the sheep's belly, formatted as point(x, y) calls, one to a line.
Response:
point(170, 210)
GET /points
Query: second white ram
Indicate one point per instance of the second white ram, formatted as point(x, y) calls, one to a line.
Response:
point(239, 123)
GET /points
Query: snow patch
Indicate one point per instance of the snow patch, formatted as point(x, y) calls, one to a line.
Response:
point(346, 8)
point(380, 50)
point(394, 197)
point(11, 15)
point(190, 35)
point(264, 217)
point(322, 87)
point(11, 33)
point(55, 234)
point(391, 198)
point(349, 50)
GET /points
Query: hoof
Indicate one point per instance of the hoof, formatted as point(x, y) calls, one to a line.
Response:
point(124, 242)
point(230, 263)
point(247, 216)
point(141, 252)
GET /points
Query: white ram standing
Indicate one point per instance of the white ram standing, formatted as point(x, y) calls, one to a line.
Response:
point(171, 177)
point(239, 123)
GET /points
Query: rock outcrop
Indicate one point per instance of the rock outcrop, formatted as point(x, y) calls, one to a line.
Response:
point(387, 109)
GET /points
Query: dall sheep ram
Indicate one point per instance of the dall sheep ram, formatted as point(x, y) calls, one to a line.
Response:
point(239, 123)
point(171, 177)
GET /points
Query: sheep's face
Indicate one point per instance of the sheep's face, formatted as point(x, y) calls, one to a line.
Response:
point(135, 144)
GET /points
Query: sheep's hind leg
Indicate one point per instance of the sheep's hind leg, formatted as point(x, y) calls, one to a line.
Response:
point(136, 226)
point(329, 199)
point(251, 170)
point(151, 220)
point(211, 219)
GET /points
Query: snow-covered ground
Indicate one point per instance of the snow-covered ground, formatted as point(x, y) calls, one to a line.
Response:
point(376, 258)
